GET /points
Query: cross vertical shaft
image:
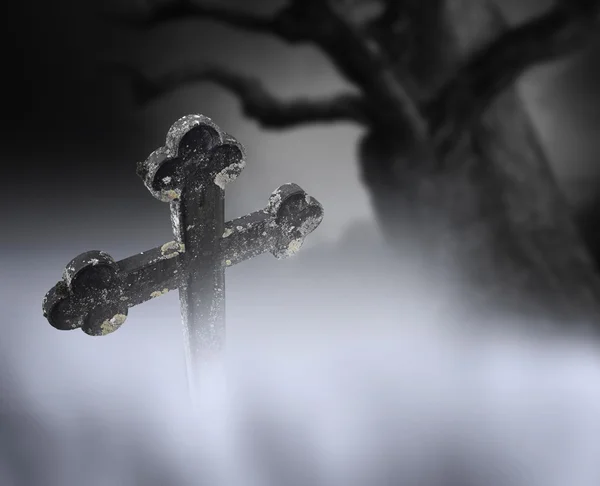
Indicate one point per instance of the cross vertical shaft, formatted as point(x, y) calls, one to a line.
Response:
point(198, 223)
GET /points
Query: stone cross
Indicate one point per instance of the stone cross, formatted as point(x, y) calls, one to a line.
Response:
point(190, 172)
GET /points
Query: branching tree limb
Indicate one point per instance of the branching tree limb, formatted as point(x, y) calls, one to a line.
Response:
point(360, 60)
point(281, 24)
point(257, 102)
point(491, 70)
point(316, 21)
point(457, 105)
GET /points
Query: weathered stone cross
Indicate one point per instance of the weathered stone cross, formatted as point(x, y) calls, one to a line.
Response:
point(190, 172)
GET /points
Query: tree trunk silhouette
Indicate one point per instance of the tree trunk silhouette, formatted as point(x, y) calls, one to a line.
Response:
point(451, 159)
point(494, 212)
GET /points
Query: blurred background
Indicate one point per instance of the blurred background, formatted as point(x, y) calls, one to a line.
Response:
point(72, 136)
point(72, 121)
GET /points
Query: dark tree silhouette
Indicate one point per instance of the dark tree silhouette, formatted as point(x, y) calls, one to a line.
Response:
point(449, 154)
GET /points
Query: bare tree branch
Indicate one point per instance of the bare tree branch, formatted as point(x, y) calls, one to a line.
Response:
point(392, 12)
point(166, 11)
point(355, 56)
point(360, 60)
point(257, 102)
point(559, 32)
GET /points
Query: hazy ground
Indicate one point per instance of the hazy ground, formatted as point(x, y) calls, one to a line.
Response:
point(340, 373)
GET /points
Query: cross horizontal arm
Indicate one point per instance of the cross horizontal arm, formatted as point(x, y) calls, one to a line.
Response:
point(247, 237)
point(151, 273)
point(96, 292)
point(280, 228)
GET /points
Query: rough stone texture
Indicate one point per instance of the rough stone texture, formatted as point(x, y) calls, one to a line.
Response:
point(190, 172)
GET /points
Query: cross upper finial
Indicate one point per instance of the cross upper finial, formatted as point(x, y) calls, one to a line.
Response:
point(197, 152)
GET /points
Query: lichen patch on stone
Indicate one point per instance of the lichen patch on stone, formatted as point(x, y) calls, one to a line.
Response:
point(228, 174)
point(171, 249)
point(158, 293)
point(172, 194)
point(275, 200)
point(112, 324)
point(293, 247)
